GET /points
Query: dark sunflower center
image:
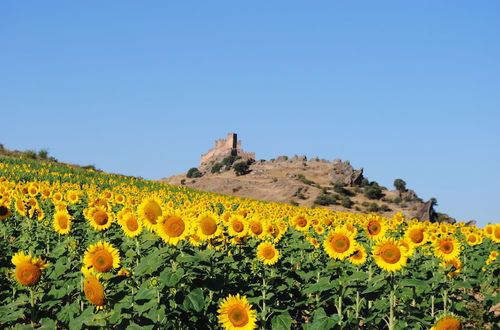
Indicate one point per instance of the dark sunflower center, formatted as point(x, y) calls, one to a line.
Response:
point(132, 224)
point(208, 226)
point(101, 218)
point(3, 210)
point(238, 317)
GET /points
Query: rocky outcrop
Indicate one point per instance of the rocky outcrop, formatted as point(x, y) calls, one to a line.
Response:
point(425, 212)
point(343, 172)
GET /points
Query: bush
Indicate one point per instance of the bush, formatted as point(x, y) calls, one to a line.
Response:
point(326, 199)
point(373, 207)
point(294, 203)
point(400, 185)
point(30, 154)
point(339, 188)
point(303, 179)
point(384, 208)
point(229, 160)
point(241, 168)
point(373, 192)
point(216, 168)
point(194, 173)
point(397, 200)
point(347, 202)
point(43, 154)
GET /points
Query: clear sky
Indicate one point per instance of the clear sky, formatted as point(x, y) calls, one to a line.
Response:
point(404, 89)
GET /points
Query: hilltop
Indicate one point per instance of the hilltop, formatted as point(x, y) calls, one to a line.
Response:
point(336, 185)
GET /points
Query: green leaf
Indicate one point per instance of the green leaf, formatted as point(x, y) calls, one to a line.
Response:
point(322, 285)
point(170, 278)
point(194, 300)
point(282, 321)
point(410, 282)
point(322, 321)
point(374, 287)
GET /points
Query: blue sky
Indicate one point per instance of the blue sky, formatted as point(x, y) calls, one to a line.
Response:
point(403, 89)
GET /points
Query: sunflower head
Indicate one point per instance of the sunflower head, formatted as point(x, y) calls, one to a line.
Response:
point(207, 226)
point(447, 321)
point(255, 227)
point(235, 312)
point(339, 243)
point(238, 226)
point(62, 222)
point(446, 248)
point(28, 268)
point(389, 255)
point(100, 218)
point(4, 211)
point(301, 222)
point(375, 228)
point(150, 210)
point(416, 235)
point(358, 257)
point(101, 257)
point(131, 225)
point(173, 227)
point(92, 287)
point(267, 253)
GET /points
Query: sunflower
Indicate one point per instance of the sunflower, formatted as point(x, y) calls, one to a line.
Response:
point(389, 255)
point(301, 222)
point(172, 227)
point(28, 268)
point(455, 265)
point(207, 226)
point(62, 222)
point(20, 206)
point(375, 228)
point(237, 226)
point(255, 227)
point(73, 196)
point(102, 257)
point(416, 235)
point(131, 226)
point(488, 230)
point(410, 249)
point(4, 211)
point(495, 236)
point(92, 287)
point(358, 257)
point(57, 197)
point(235, 312)
point(474, 239)
point(149, 211)
point(267, 253)
point(446, 248)
point(339, 243)
point(447, 322)
point(99, 218)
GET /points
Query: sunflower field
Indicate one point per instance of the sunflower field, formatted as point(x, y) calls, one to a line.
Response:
point(84, 249)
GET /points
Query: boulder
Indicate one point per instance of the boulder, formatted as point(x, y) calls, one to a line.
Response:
point(425, 212)
point(343, 172)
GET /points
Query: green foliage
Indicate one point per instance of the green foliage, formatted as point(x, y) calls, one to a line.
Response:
point(373, 207)
point(194, 173)
point(241, 168)
point(229, 160)
point(30, 154)
point(216, 168)
point(346, 202)
point(400, 185)
point(304, 180)
point(43, 153)
point(373, 192)
point(326, 199)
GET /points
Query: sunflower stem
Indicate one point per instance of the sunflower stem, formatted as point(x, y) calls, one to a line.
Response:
point(358, 304)
point(392, 303)
point(432, 305)
point(264, 312)
point(32, 303)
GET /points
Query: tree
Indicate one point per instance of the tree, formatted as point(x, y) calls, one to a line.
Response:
point(194, 173)
point(400, 185)
point(434, 201)
point(374, 192)
point(241, 168)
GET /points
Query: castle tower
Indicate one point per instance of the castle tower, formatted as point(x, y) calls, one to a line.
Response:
point(232, 141)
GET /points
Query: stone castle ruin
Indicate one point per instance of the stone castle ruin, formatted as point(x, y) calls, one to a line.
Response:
point(226, 147)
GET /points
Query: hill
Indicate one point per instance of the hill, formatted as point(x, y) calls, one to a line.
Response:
point(335, 185)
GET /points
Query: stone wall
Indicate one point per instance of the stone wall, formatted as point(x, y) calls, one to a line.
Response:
point(226, 147)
